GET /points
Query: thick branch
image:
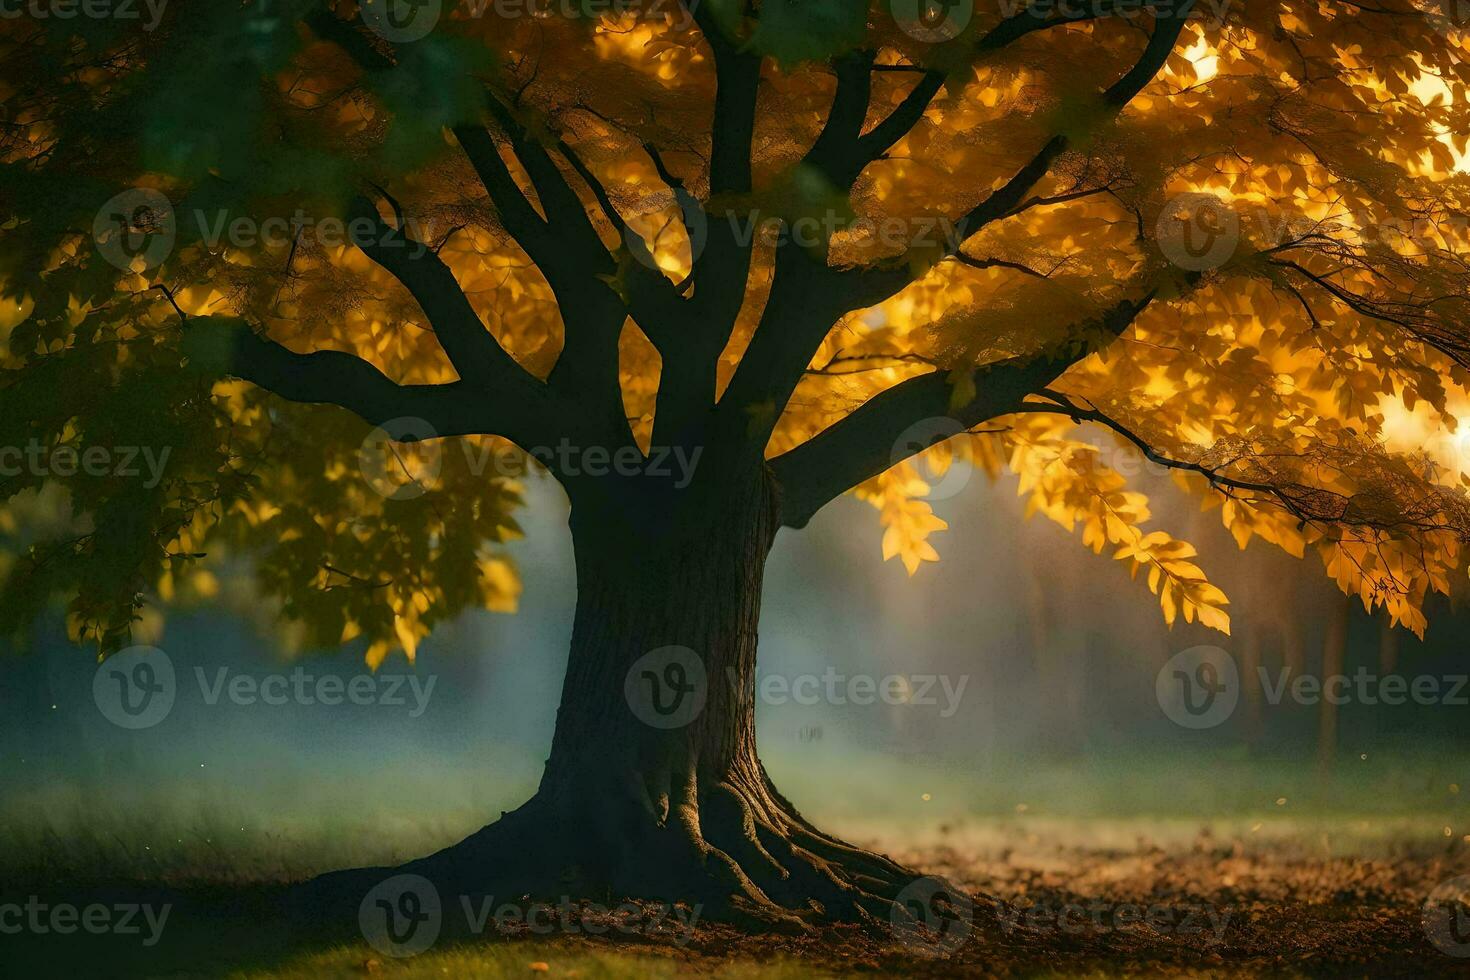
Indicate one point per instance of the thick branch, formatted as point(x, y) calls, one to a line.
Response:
point(229, 347)
point(737, 78)
point(802, 297)
point(567, 249)
point(872, 438)
point(1038, 17)
point(873, 144)
point(842, 150)
point(474, 352)
point(871, 286)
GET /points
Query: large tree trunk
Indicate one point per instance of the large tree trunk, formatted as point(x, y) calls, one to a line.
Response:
point(653, 788)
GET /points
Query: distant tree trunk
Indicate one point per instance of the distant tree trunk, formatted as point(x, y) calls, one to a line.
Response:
point(1055, 659)
point(1388, 647)
point(643, 795)
point(1250, 668)
point(1293, 646)
point(1334, 648)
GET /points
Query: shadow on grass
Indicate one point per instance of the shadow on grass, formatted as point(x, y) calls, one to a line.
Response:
point(128, 930)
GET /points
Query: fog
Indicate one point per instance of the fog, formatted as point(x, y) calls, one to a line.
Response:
point(1028, 665)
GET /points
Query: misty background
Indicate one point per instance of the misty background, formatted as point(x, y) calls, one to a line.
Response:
point(1053, 652)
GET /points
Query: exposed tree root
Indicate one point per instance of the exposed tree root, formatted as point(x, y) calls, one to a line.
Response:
point(733, 851)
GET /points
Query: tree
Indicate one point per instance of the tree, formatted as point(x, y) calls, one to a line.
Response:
point(803, 248)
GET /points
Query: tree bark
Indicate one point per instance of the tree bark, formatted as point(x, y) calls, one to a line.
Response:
point(653, 788)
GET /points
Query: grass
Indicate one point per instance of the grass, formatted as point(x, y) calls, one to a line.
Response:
point(494, 961)
point(1307, 861)
point(1400, 795)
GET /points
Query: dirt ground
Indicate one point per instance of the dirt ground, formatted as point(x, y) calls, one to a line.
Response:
point(1066, 901)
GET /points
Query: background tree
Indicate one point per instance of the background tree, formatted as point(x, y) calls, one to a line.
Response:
point(799, 245)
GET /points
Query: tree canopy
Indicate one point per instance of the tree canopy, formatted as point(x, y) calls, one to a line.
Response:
point(865, 241)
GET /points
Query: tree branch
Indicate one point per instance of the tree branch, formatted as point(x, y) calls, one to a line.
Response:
point(737, 79)
point(807, 298)
point(873, 285)
point(842, 150)
point(472, 349)
point(872, 438)
point(1039, 18)
point(229, 347)
point(569, 252)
